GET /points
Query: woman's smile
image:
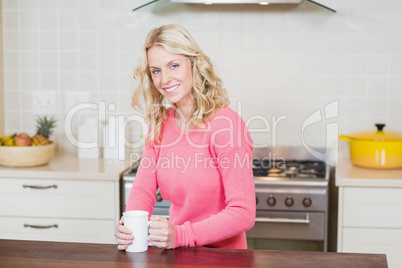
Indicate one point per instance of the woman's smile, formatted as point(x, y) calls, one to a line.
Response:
point(171, 89)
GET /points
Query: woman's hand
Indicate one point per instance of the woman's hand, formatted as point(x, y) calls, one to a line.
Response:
point(161, 232)
point(123, 235)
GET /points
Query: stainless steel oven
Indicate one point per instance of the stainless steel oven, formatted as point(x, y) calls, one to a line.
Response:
point(292, 200)
point(291, 190)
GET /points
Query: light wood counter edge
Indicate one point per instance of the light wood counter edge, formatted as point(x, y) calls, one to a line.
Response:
point(62, 175)
point(68, 166)
point(349, 175)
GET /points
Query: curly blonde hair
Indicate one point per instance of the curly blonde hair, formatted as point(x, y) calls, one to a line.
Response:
point(207, 92)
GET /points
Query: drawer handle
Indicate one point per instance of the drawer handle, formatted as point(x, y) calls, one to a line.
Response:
point(284, 220)
point(39, 187)
point(41, 226)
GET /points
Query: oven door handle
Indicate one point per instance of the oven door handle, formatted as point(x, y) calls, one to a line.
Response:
point(284, 220)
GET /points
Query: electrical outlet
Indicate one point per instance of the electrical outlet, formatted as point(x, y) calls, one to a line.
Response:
point(72, 98)
point(44, 102)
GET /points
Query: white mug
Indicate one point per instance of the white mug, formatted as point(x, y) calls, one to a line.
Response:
point(137, 222)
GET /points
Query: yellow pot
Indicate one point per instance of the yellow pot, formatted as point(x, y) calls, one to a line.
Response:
point(375, 149)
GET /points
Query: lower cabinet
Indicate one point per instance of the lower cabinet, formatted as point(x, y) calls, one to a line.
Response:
point(59, 210)
point(370, 221)
point(372, 240)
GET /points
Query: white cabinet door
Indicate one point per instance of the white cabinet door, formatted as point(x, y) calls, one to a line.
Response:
point(66, 230)
point(372, 207)
point(59, 198)
point(369, 240)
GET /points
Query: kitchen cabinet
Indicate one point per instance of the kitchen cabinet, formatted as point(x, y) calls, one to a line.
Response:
point(75, 204)
point(370, 211)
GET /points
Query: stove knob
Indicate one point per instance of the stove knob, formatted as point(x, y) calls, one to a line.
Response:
point(159, 197)
point(271, 201)
point(306, 202)
point(289, 201)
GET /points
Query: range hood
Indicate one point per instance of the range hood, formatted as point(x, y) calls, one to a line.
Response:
point(261, 2)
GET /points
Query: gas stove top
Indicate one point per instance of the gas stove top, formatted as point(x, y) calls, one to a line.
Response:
point(288, 165)
point(289, 168)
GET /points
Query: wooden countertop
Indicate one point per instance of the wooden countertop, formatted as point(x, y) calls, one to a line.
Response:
point(19, 253)
point(69, 166)
point(349, 175)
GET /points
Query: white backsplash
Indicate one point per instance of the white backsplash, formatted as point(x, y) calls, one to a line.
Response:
point(279, 61)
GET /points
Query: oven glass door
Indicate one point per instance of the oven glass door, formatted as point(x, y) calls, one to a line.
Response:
point(303, 231)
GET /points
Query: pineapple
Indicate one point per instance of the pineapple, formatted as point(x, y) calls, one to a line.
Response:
point(44, 129)
point(38, 140)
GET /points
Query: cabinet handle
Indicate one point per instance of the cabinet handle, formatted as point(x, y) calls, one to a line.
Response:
point(41, 226)
point(39, 187)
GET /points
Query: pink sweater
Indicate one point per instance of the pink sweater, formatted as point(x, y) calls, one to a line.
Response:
point(206, 174)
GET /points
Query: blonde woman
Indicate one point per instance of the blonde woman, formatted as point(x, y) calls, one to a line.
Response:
point(198, 151)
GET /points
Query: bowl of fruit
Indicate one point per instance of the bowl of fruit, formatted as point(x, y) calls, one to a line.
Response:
point(22, 150)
